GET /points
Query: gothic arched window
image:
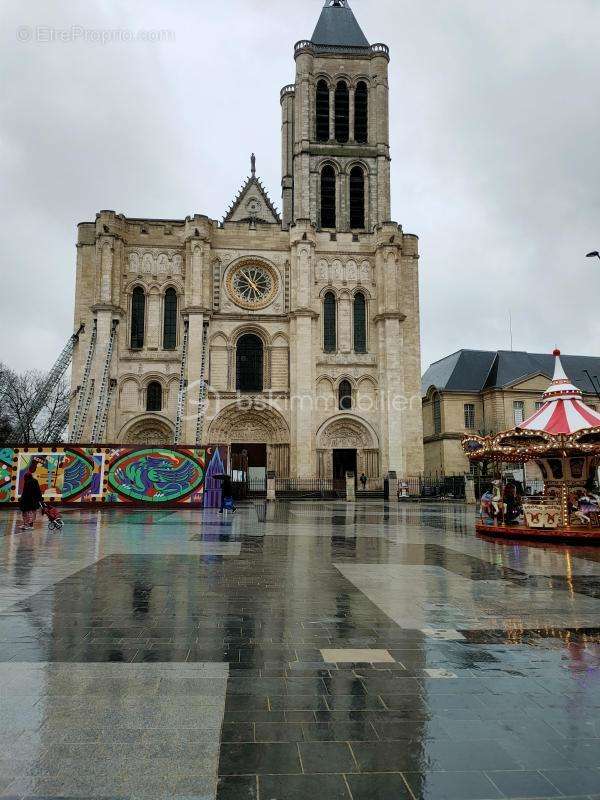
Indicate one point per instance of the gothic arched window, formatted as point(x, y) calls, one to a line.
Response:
point(154, 397)
point(138, 315)
point(170, 320)
point(345, 396)
point(249, 364)
point(360, 323)
point(329, 323)
point(357, 198)
point(361, 113)
point(328, 201)
point(342, 112)
point(322, 111)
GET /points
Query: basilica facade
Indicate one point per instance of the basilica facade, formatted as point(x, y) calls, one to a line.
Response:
point(292, 337)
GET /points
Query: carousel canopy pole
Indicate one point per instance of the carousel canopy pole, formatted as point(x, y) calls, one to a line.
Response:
point(564, 504)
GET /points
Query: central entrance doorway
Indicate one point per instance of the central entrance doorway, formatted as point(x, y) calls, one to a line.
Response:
point(249, 469)
point(344, 461)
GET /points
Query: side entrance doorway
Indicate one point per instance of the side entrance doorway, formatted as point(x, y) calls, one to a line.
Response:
point(249, 469)
point(344, 461)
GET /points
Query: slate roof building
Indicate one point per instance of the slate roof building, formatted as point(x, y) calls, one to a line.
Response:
point(288, 335)
point(488, 392)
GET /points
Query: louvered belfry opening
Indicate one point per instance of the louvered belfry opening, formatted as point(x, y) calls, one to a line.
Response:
point(170, 320)
point(361, 113)
point(329, 323)
point(138, 314)
point(360, 323)
point(154, 397)
point(322, 111)
point(342, 112)
point(249, 363)
point(357, 198)
point(328, 200)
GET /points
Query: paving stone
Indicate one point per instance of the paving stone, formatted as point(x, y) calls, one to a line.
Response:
point(387, 786)
point(357, 656)
point(327, 757)
point(452, 786)
point(523, 784)
point(259, 759)
point(301, 787)
point(571, 781)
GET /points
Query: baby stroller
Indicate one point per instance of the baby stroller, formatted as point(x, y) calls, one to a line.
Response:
point(228, 504)
point(55, 522)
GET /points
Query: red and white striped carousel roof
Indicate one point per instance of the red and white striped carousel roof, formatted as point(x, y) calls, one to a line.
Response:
point(563, 411)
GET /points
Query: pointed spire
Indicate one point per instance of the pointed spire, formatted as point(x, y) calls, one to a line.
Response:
point(337, 26)
point(253, 165)
point(561, 385)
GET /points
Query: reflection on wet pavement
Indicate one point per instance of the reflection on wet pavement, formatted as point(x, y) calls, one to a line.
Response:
point(362, 652)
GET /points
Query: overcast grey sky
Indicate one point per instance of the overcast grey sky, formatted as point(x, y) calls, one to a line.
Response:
point(495, 134)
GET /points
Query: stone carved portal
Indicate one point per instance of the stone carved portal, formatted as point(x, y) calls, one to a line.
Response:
point(238, 424)
point(347, 434)
point(149, 431)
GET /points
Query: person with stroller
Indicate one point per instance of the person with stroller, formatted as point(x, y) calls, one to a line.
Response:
point(31, 498)
point(487, 506)
point(227, 503)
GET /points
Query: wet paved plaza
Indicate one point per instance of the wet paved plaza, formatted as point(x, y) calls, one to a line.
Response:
point(334, 651)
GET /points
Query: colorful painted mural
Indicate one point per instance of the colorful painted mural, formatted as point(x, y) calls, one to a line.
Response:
point(6, 462)
point(116, 475)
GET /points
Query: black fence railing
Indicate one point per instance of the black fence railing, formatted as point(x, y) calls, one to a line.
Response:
point(436, 487)
point(318, 488)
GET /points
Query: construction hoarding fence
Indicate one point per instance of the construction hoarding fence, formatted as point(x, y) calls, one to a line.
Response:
point(114, 475)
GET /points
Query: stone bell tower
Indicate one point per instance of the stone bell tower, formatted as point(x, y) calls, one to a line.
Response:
point(336, 153)
point(354, 296)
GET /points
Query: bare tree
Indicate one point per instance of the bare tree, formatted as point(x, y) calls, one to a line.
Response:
point(22, 424)
point(5, 426)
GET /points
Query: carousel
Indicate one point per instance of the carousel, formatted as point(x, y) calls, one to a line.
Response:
point(563, 439)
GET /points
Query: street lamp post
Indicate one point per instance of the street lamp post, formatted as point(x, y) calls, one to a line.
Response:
point(593, 254)
point(594, 382)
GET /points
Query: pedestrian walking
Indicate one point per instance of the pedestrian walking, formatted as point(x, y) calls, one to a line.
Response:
point(227, 503)
point(31, 498)
point(363, 480)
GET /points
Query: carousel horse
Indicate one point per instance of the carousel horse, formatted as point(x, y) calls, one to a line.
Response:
point(587, 504)
point(498, 501)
